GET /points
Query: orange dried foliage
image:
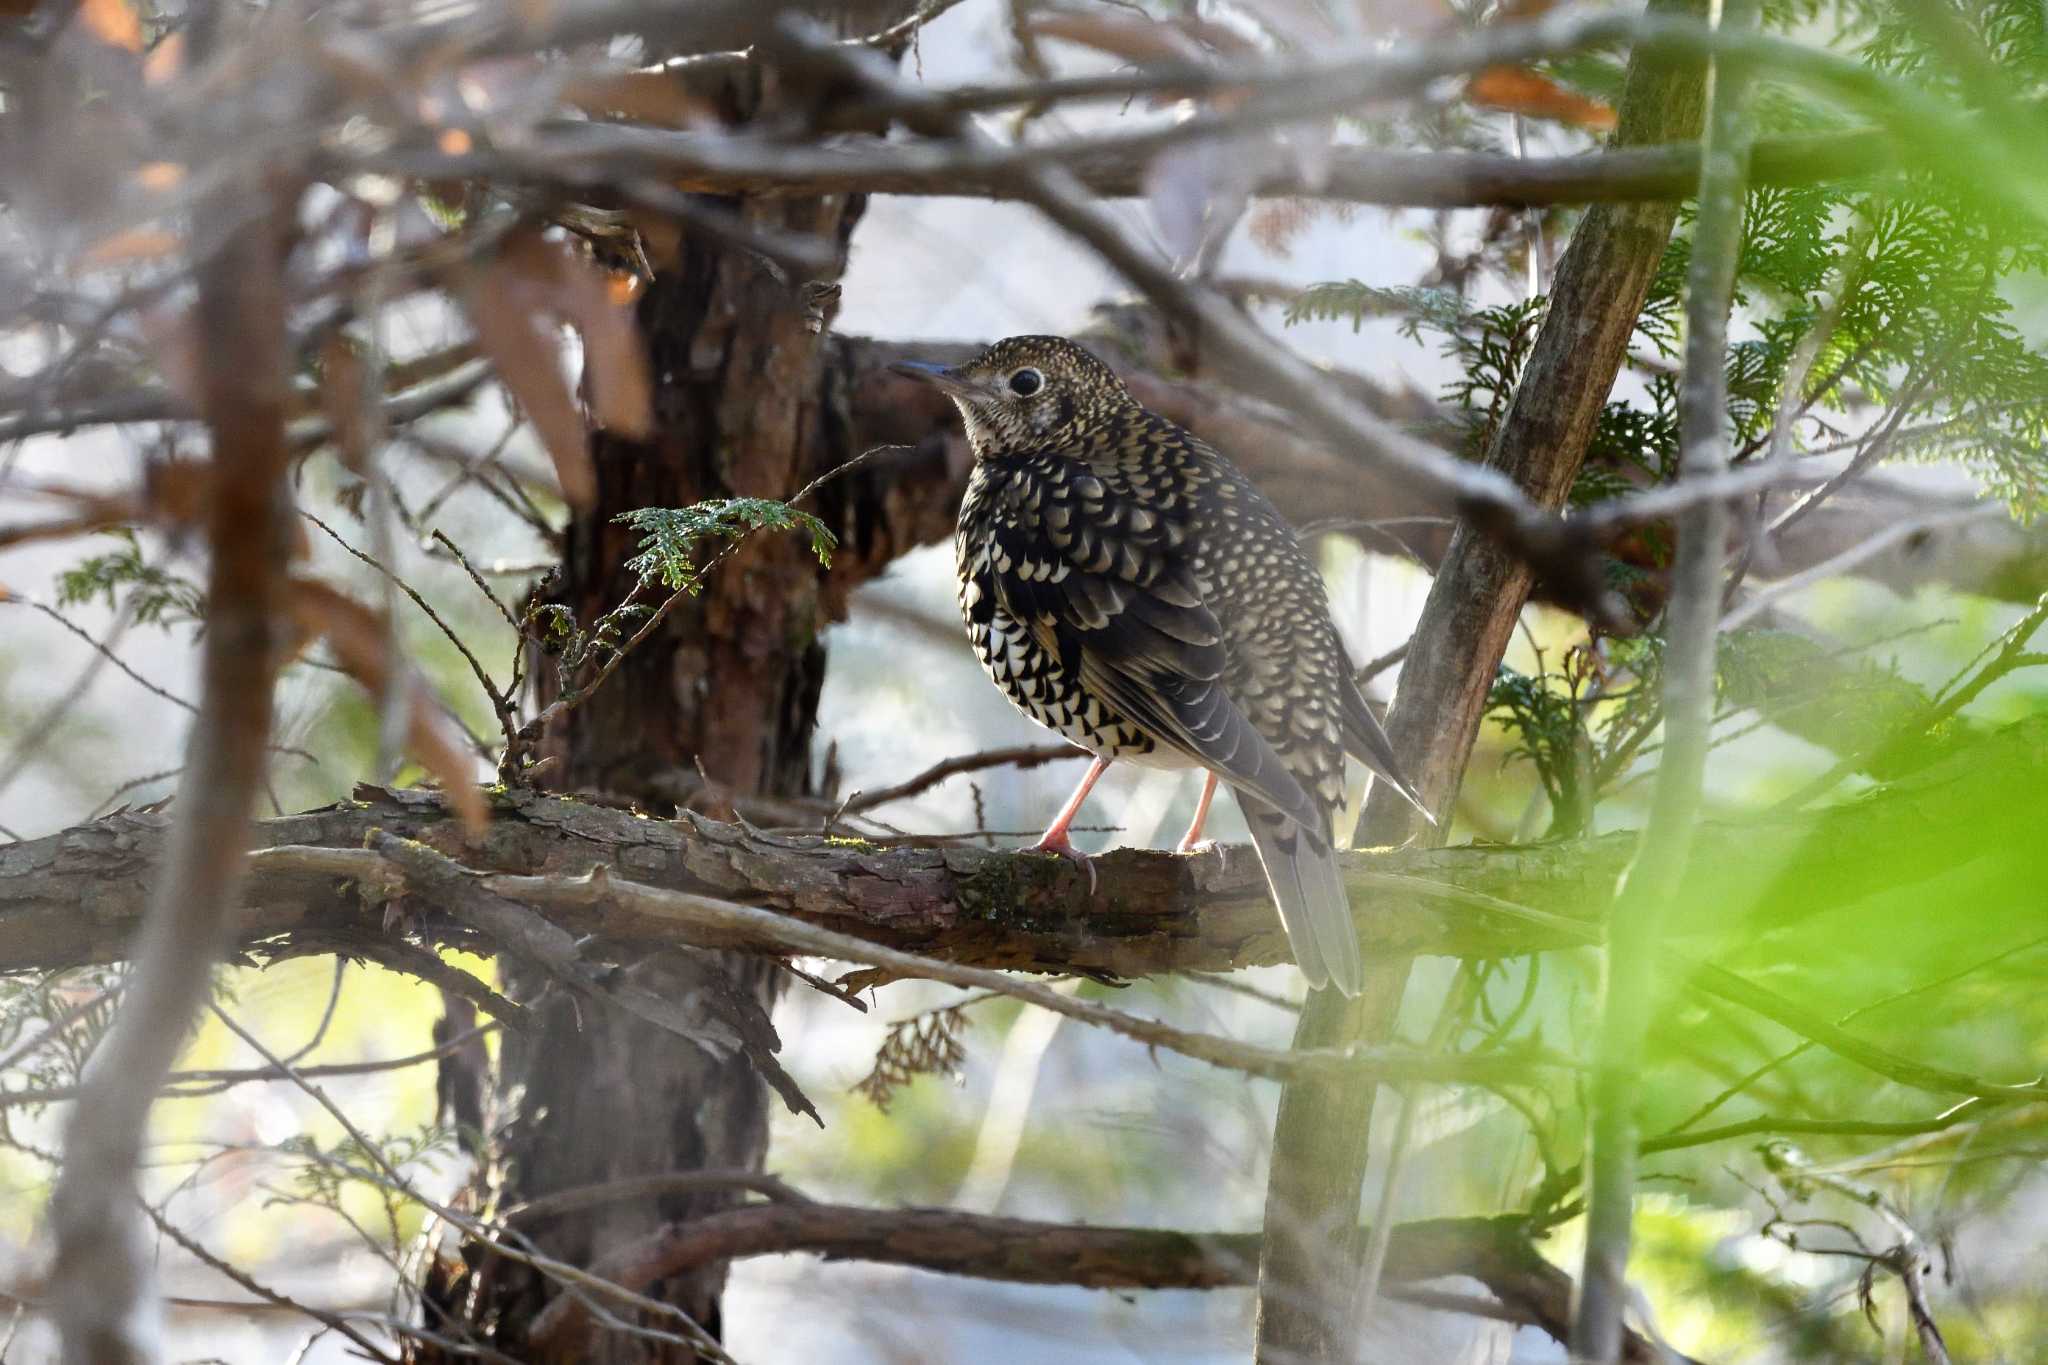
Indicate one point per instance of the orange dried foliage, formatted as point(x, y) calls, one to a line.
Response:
point(129, 248)
point(345, 397)
point(656, 97)
point(1516, 90)
point(113, 23)
point(160, 175)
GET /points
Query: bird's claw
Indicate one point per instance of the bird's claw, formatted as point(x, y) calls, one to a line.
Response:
point(1061, 845)
point(1197, 847)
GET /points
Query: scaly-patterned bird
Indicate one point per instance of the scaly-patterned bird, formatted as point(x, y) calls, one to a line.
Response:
point(1126, 586)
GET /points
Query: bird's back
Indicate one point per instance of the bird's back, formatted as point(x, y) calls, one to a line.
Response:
point(1127, 586)
point(1283, 662)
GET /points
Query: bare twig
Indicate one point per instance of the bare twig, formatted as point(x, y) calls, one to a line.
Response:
point(1837, 566)
point(501, 703)
point(390, 1176)
point(557, 1202)
point(1018, 756)
point(334, 1322)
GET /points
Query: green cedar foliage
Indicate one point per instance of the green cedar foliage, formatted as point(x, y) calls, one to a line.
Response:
point(1913, 280)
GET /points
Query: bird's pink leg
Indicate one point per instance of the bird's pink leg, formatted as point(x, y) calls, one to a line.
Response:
point(1055, 839)
point(1191, 842)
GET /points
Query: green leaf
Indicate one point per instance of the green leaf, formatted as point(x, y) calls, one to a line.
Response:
point(154, 595)
point(670, 536)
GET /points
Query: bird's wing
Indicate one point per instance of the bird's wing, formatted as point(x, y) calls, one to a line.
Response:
point(1102, 579)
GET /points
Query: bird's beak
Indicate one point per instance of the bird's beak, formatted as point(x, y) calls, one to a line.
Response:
point(948, 381)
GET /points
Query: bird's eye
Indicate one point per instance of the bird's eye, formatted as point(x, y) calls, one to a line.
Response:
point(1024, 383)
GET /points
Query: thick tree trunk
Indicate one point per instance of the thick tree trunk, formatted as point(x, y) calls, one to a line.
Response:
point(727, 687)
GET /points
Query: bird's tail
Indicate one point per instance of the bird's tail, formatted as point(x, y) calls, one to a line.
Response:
point(1308, 887)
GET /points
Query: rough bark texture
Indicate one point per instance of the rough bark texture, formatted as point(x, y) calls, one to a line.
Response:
point(1322, 1136)
point(727, 687)
point(78, 896)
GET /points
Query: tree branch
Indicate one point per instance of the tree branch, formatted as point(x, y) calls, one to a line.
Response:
point(101, 1283)
point(1322, 1139)
point(1495, 1251)
point(1692, 632)
point(315, 887)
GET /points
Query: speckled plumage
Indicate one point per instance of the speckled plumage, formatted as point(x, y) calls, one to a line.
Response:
point(1126, 586)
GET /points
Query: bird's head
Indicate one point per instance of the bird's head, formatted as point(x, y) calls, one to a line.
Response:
point(1028, 392)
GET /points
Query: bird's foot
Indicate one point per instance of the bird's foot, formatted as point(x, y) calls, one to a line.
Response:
point(1197, 846)
point(1056, 841)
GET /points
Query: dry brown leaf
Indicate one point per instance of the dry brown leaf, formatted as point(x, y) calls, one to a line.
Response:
point(599, 304)
point(129, 247)
point(1275, 223)
point(656, 97)
point(1120, 35)
point(362, 646)
point(345, 397)
point(532, 277)
point(1517, 90)
point(171, 335)
point(529, 364)
point(160, 175)
point(175, 493)
point(113, 23)
point(404, 374)
point(165, 61)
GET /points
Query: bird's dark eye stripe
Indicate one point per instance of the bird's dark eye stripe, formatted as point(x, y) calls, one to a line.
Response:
point(1024, 383)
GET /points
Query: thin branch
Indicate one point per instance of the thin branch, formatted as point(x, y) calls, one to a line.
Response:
point(1839, 565)
point(635, 1188)
point(1635, 929)
point(1267, 93)
point(101, 1282)
point(392, 1178)
point(712, 920)
point(1494, 1251)
point(334, 1322)
point(1558, 548)
point(501, 704)
point(1018, 756)
point(105, 648)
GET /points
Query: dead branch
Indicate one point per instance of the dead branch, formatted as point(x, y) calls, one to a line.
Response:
point(1495, 1251)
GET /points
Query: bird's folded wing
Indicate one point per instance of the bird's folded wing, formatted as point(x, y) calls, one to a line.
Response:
point(1124, 616)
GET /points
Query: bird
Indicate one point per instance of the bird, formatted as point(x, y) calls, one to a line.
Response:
point(1126, 586)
